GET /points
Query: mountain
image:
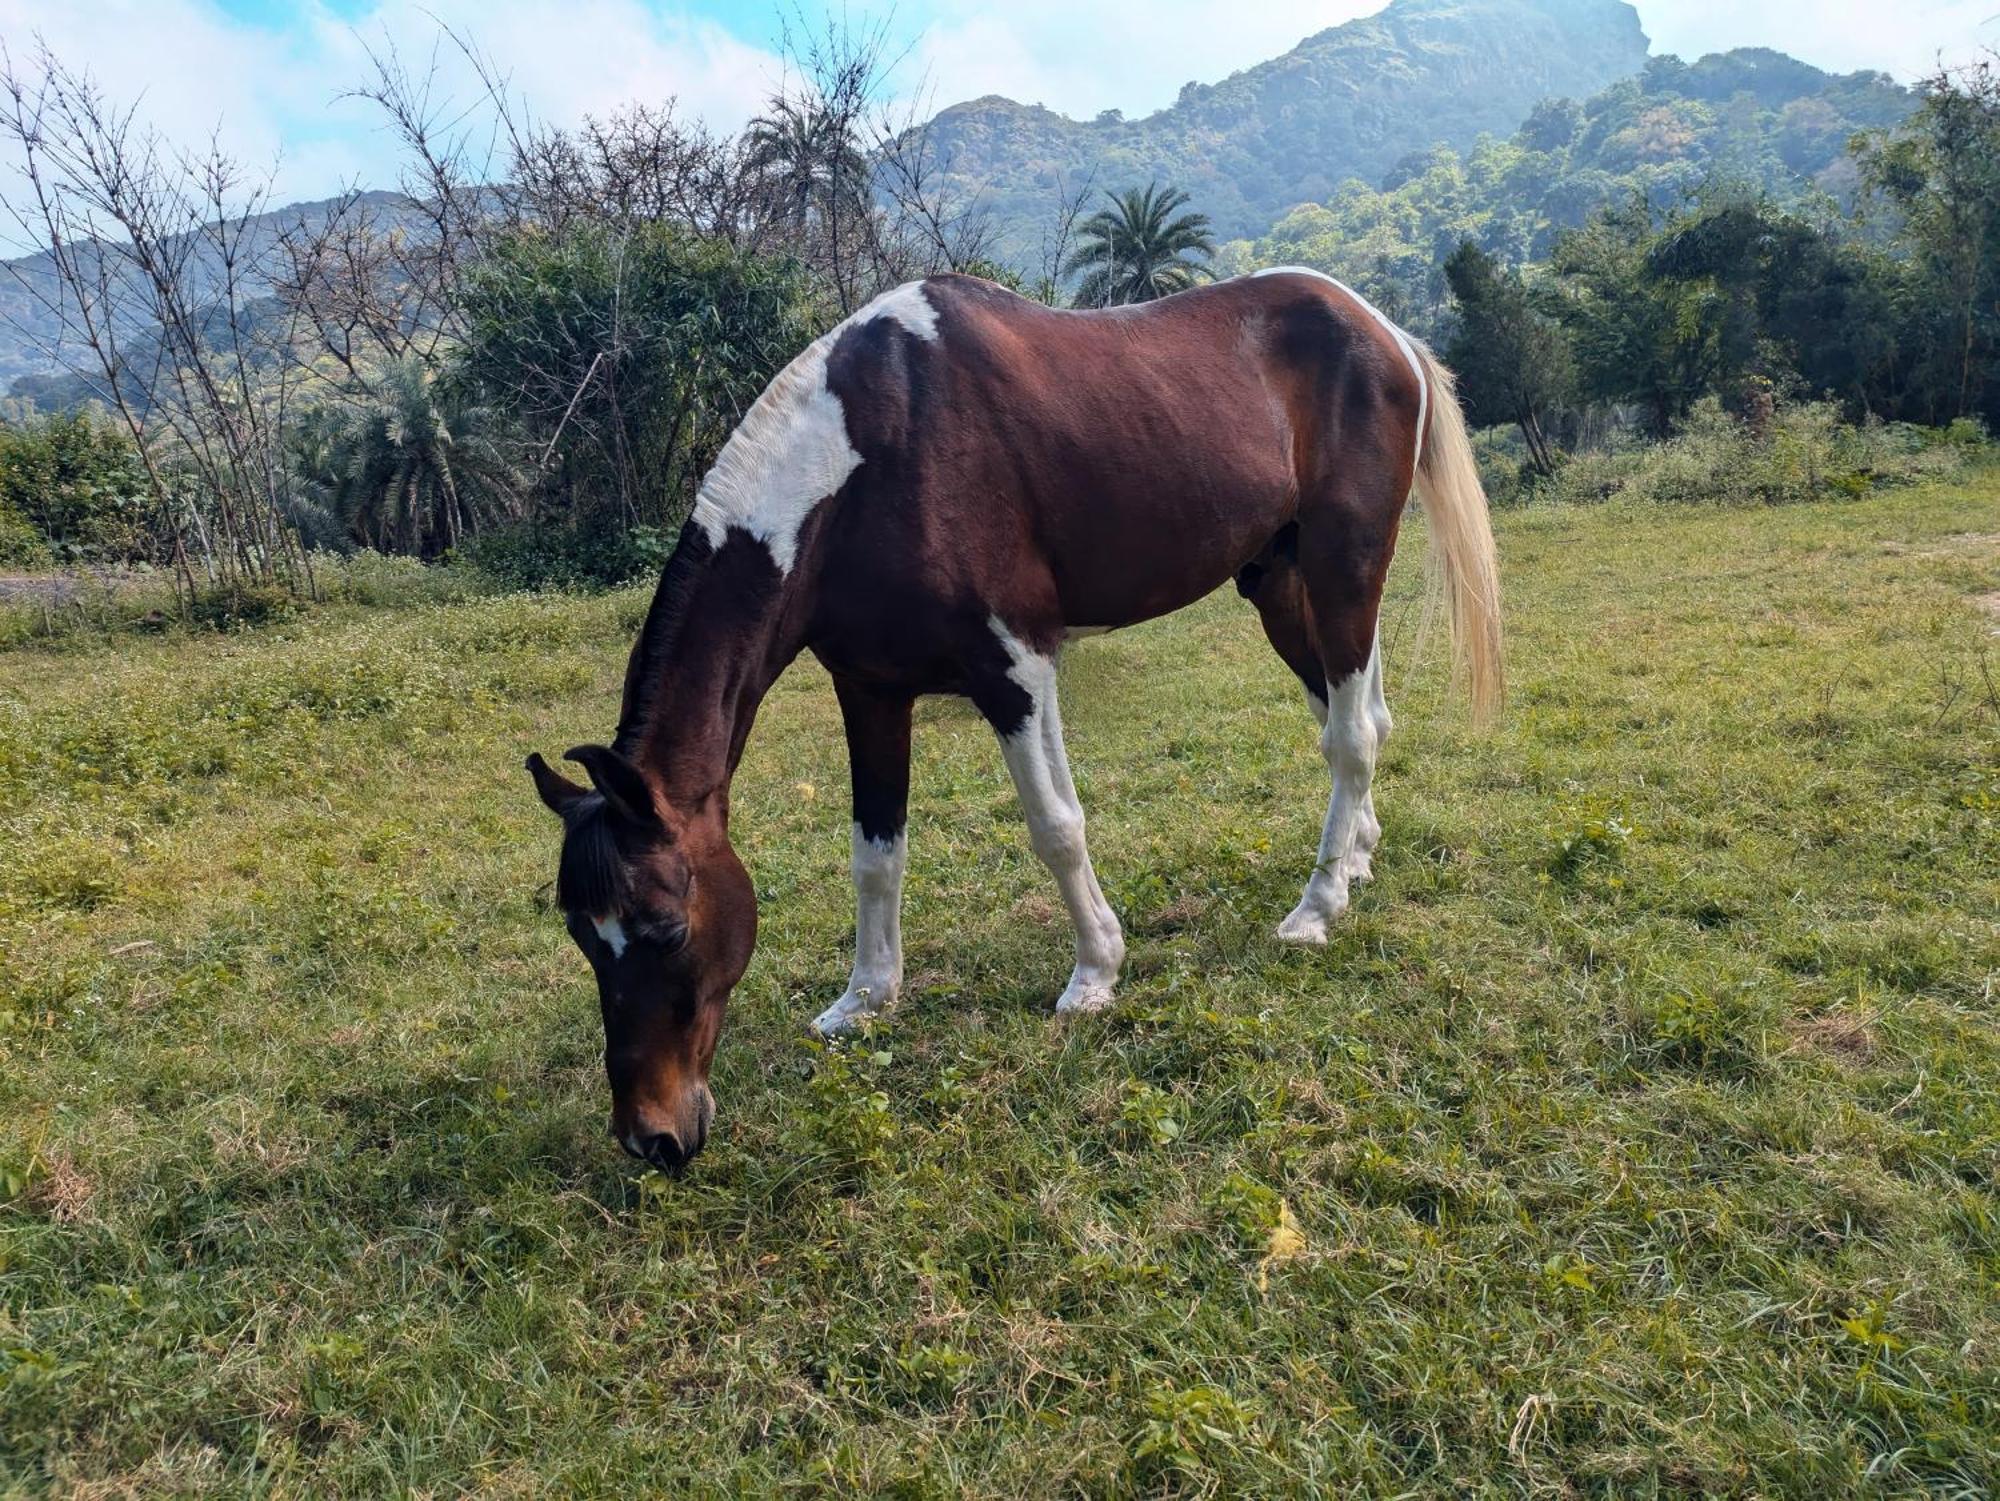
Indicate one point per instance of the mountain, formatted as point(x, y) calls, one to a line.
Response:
point(1369, 150)
point(1348, 102)
point(1750, 121)
point(30, 330)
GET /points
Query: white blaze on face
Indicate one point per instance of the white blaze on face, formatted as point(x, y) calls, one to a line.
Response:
point(791, 450)
point(1040, 767)
point(1402, 342)
point(612, 931)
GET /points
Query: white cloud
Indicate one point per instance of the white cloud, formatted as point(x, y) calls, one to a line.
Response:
point(579, 57)
point(275, 97)
point(1132, 55)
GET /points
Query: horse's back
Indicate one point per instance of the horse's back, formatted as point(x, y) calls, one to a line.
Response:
point(1135, 457)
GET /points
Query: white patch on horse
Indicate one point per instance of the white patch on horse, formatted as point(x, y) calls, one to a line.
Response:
point(612, 931)
point(1368, 830)
point(909, 305)
point(1352, 735)
point(791, 450)
point(1040, 768)
point(1403, 342)
point(877, 866)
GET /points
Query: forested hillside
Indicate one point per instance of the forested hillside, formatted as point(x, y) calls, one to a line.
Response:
point(1346, 103)
point(31, 306)
point(1746, 121)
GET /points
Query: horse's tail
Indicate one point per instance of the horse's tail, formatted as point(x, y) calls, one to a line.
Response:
point(1463, 564)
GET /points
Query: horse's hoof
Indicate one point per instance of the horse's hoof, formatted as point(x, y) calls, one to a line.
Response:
point(1082, 997)
point(1359, 866)
point(847, 1014)
point(1303, 927)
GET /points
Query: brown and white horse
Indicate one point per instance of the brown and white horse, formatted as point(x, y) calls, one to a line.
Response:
point(930, 499)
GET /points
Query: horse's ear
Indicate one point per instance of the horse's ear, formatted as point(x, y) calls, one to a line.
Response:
point(624, 789)
point(557, 790)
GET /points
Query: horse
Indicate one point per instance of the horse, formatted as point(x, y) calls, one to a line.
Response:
point(931, 499)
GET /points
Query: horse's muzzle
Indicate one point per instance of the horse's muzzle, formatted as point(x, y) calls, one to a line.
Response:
point(663, 1150)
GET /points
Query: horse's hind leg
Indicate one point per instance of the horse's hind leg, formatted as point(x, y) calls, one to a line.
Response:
point(1273, 583)
point(1344, 550)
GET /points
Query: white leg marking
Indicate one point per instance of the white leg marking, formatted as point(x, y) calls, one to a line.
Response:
point(1035, 756)
point(878, 933)
point(1349, 742)
point(1368, 832)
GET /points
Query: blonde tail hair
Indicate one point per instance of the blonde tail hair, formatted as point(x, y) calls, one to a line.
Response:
point(1464, 568)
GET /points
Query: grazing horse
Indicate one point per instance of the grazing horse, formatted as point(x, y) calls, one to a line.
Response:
point(930, 499)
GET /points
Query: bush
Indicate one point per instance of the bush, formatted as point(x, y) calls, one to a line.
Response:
point(21, 546)
point(78, 485)
point(233, 606)
point(1808, 453)
point(367, 577)
point(544, 556)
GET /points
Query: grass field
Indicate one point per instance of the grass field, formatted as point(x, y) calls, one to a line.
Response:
point(1637, 1133)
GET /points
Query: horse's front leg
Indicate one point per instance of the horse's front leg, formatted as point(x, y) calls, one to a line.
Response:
point(878, 756)
point(1029, 724)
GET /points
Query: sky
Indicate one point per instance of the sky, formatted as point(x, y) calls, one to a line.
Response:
point(268, 75)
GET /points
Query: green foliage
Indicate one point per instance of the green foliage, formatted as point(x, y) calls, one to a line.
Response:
point(21, 545)
point(1684, 1185)
point(625, 358)
point(1511, 360)
point(237, 604)
point(72, 489)
point(551, 555)
point(1657, 140)
point(1139, 249)
point(1940, 172)
point(1589, 842)
point(400, 469)
point(1636, 337)
point(1806, 453)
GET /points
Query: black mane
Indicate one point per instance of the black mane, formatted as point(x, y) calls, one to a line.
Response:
point(664, 619)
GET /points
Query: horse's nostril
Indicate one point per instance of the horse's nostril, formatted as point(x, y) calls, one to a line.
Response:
point(662, 1150)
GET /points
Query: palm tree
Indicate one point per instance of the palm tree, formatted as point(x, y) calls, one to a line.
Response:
point(1138, 250)
point(401, 474)
point(807, 161)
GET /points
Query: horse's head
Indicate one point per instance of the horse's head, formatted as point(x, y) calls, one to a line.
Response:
point(665, 913)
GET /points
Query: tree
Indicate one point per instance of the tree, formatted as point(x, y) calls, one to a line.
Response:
point(1140, 248)
point(1636, 338)
point(626, 356)
point(400, 473)
point(1940, 172)
point(808, 163)
point(76, 482)
point(1513, 363)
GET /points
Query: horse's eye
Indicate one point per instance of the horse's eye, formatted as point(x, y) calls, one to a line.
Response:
point(668, 934)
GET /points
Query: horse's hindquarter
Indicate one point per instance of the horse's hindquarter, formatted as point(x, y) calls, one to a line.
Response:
point(1142, 454)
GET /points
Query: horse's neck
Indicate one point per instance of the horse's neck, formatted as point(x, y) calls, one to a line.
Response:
point(717, 637)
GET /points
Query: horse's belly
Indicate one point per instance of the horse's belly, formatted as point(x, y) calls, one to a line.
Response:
point(1120, 564)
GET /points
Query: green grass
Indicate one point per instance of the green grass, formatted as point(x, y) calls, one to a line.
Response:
point(1637, 1132)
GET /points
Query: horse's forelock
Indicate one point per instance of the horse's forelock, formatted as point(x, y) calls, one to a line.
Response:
point(591, 878)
